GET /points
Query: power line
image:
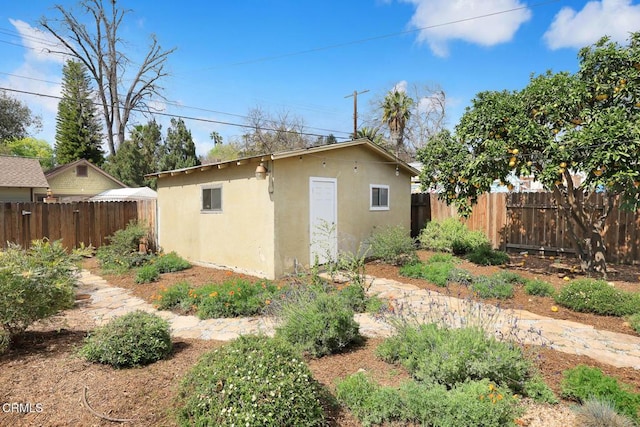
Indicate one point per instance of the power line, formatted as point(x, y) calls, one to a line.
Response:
point(374, 38)
point(198, 119)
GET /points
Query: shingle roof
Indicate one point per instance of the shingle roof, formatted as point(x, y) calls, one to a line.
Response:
point(21, 172)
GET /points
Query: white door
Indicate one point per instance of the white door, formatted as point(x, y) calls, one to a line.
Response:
point(323, 219)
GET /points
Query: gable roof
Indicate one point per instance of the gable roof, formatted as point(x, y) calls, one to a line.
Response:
point(63, 168)
point(21, 172)
point(299, 152)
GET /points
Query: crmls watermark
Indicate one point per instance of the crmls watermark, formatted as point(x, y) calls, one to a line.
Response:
point(21, 407)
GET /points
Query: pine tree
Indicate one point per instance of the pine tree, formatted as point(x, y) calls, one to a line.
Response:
point(78, 129)
point(179, 148)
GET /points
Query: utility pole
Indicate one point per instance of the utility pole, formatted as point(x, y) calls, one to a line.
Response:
point(355, 110)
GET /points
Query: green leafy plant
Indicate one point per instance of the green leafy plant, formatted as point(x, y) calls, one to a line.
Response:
point(233, 298)
point(135, 339)
point(317, 323)
point(437, 269)
point(122, 252)
point(35, 284)
point(253, 380)
point(473, 403)
point(583, 383)
point(600, 413)
point(536, 389)
point(393, 245)
point(171, 262)
point(539, 288)
point(450, 356)
point(147, 274)
point(492, 287)
point(461, 277)
point(175, 297)
point(634, 322)
point(450, 235)
point(597, 296)
point(486, 255)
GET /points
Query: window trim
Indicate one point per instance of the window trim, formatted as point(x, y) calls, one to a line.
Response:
point(378, 208)
point(210, 187)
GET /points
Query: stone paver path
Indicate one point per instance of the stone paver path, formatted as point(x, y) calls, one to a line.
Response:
point(613, 348)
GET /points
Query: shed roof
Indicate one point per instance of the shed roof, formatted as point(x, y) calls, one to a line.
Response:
point(21, 172)
point(391, 159)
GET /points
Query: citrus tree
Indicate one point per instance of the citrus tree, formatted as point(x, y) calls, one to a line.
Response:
point(576, 133)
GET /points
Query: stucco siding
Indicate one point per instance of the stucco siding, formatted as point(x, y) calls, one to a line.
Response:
point(240, 236)
point(355, 220)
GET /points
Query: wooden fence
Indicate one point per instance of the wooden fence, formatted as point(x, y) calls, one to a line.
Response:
point(76, 223)
point(533, 222)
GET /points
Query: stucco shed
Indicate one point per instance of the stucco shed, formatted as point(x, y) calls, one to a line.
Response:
point(310, 203)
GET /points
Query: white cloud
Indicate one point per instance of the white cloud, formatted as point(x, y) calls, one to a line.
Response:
point(40, 46)
point(486, 23)
point(401, 86)
point(614, 18)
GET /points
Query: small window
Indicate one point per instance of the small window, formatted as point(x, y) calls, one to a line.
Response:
point(379, 197)
point(212, 199)
point(81, 170)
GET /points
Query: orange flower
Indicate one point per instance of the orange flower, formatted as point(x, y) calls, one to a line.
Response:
point(268, 302)
point(213, 294)
point(228, 273)
point(231, 293)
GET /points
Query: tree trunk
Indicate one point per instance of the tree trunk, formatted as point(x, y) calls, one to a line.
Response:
point(591, 251)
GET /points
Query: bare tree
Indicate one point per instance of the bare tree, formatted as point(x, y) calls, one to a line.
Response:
point(100, 50)
point(271, 133)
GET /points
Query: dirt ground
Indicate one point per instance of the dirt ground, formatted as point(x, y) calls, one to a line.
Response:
point(43, 381)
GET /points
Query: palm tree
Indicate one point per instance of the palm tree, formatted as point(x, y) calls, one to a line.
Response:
point(372, 134)
point(396, 111)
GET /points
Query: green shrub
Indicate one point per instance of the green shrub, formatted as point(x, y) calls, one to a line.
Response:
point(5, 341)
point(461, 277)
point(176, 297)
point(367, 401)
point(122, 252)
point(600, 413)
point(492, 287)
point(135, 339)
point(450, 235)
point(485, 255)
point(35, 284)
point(319, 324)
point(354, 297)
point(450, 356)
point(474, 403)
point(171, 262)
point(233, 298)
point(435, 272)
point(539, 288)
point(597, 296)
point(634, 322)
point(256, 381)
point(393, 245)
point(510, 277)
point(147, 274)
point(583, 383)
point(536, 389)
point(442, 257)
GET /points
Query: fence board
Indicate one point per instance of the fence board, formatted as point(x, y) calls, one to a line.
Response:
point(532, 221)
point(74, 223)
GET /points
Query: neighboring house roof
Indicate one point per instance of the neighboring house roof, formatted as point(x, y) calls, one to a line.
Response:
point(21, 172)
point(62, 168)
point(123, 194)
point(301, 152)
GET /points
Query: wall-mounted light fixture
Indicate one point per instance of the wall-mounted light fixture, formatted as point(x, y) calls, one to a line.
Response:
point(261, 171)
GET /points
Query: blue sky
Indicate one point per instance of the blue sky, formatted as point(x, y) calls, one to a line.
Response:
point(304, 57)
